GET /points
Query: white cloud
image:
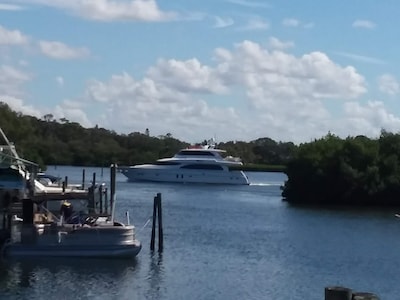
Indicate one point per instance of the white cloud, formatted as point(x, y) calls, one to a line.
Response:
point(361, 58)
point(292, 22)
point(364, 24)
point(72, 111)
point(10, 7)
point(368, 119)
point(59, 50)
point(187, 76)
point(252, 4)
point(17, 104)
point(255, 24)
point(313, 75)
point(223, 22)
point(275, 43)
point(282, 96)
point(308, 25)
point(110, 10)
point(11, 80)
point(135, 105)
point(12, 37)
point(23, 63)
point(389, 85)
point(11, 89)
point(60, 81)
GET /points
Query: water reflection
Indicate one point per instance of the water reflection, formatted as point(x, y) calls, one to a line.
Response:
point(87, 278)
point(155, 276)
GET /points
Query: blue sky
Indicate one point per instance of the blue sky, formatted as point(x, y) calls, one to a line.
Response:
point(231, 69)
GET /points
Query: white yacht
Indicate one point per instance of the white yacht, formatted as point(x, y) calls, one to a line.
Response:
point(197, 164)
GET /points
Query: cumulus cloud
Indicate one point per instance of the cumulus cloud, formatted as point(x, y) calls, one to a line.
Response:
point(388, 84)
point(275, 43)
point(10, 7)
point(110, 10)
point(72, 111)
point(17, 104)
point(361, 58)
point(251, 4)
point(11, 80)
point(292, 22)
point(282, 96)
point(189, 75)
point(12, 37)
point(313, 75)
point(223, 22)
point(59, 50)
point(369, 119)
point(138, 104)
point(255, 23)
point(60, 81)
point(248, 91)
point(364, 24)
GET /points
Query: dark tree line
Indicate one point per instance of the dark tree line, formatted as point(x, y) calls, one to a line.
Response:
point(48, 141)
point(351, 171)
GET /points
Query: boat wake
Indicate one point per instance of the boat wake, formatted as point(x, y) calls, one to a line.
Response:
point(264, 184)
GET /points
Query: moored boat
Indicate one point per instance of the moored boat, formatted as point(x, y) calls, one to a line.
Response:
point(32, 229)
point(98, 238)
point(198, 164)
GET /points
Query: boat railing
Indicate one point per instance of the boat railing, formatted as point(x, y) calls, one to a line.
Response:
point(232, 158)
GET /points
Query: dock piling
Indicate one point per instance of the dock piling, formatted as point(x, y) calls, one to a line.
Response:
point(101, 191)
point(343, 293)
point(113, 172)
point(83, 179)
point(338, 293)
point(157, 216)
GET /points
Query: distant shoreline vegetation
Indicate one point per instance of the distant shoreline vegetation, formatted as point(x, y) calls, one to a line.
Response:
point(352, 171)
point(50, 141)
point(328, 171)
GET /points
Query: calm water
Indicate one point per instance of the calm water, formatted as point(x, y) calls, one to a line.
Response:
point(223, 242)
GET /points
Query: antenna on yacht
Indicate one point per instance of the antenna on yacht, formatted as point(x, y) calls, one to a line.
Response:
point(211, 143)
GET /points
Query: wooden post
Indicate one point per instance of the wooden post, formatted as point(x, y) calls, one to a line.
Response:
point(66, 181)
point(153, 228)
point(63, 186)
point(106, 200)
point(91, 204)
point(28, 231)
point(101, 198)
point(160, 227)
point(83, 179)
point(94, 179)
point(157, 216)
point(112, 186)
point(338, 293)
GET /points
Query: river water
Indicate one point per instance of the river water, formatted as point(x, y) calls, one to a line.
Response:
point(223, 242)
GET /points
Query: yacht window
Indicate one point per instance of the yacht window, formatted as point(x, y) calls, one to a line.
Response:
point(195, 153)
point(202, 167)
point(166, 163)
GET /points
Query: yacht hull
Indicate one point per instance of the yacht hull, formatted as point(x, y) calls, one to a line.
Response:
point(105, 251)
point(185, 176)
point(98, 241)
